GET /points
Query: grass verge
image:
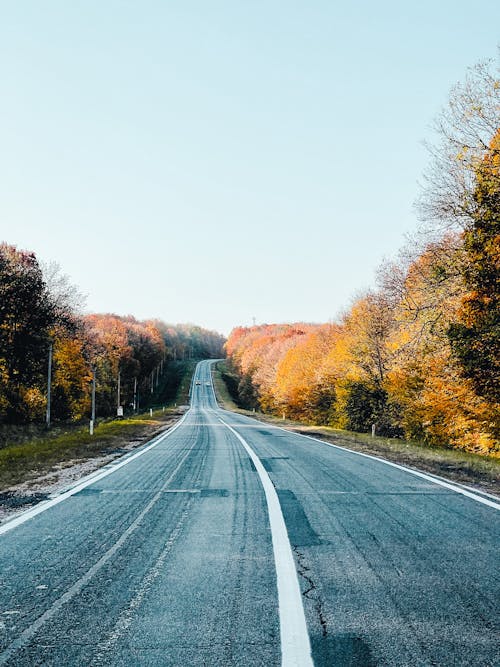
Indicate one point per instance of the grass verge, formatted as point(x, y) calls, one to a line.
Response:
point(24, 461)
point(482, 472)
point(182, 395)
point(224, 397)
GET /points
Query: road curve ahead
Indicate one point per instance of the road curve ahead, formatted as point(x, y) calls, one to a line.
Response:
point(232, 542)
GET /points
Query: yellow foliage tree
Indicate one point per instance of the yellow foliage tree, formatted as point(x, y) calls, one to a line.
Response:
point(302, 390)
point(71, 378)
point(424, 379)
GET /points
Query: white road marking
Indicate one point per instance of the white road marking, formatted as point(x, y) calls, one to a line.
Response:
point(430, 478)
point(126, 617)
point(32, 629)
point(295, 645)
point(87, 481)
point(458, 488)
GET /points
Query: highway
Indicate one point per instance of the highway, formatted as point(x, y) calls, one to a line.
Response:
point(227, 541)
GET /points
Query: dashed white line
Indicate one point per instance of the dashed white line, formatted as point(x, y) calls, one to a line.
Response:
point(458, 488)
point(66, 597)
point(430, 478)
point(87, 481)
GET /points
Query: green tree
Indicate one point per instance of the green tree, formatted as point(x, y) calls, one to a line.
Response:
point(463, 191)
point(27, 316)
point(475, 338)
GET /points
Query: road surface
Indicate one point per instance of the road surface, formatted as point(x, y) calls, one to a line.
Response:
point(232, 542)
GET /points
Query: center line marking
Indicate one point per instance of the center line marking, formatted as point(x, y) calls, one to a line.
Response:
point(295, 644)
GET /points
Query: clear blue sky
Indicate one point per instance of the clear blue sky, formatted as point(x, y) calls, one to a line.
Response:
point(217, 161)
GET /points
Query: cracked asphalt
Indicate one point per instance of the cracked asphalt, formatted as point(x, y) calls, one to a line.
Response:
point(169, 560)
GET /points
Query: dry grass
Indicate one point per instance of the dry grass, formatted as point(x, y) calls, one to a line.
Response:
point(28, 460)
point(482, 472)
point(24, 461)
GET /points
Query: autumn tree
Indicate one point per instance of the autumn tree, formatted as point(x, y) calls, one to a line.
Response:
point(255, 354)
point(66, 298)
point(264, 377)
point(27, 316)
point(303, 391)
point(435, 403)
point(463, 191)
point(71, 377)
point(109, 353)
point(189, 341)
point(475, 337)
point(420, 355)
point(39, 307)
point(464, 131)
point(367, 358)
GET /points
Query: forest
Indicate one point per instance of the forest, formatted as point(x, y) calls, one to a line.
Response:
point(41, 327)
point(417, 356)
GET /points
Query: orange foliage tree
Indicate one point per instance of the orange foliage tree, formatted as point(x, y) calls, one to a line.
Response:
point(388, 362)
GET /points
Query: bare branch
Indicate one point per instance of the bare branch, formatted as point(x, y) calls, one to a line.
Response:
point(465, 128)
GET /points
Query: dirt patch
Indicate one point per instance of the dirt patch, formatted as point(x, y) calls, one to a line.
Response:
point(40, 485)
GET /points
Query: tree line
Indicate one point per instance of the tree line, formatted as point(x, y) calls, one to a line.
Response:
point(40, 323)
point(419, 355)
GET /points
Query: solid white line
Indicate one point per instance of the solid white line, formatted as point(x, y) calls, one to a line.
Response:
point(87, 481)
point(295, 645)
point(435, 480)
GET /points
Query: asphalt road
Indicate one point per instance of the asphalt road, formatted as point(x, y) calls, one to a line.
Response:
point(180, 554)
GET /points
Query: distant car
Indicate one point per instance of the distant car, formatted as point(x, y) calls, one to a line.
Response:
point(207, 384)
point(198, 382)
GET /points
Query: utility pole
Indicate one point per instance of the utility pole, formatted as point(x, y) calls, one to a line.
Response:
point(92, 413)
point(118, 404)
point(152, 380)
point(49, 384)
point(135, 394)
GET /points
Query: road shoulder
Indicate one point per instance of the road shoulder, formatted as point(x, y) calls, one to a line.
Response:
point(481, 473)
